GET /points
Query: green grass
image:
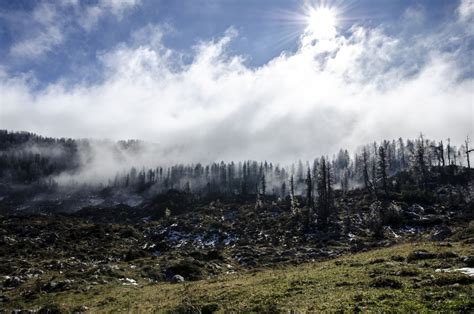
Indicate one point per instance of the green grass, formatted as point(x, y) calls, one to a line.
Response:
point(370, 281)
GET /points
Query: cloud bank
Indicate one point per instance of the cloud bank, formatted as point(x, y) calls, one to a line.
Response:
point(366, 84)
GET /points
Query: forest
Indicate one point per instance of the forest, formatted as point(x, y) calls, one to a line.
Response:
point(27, 158)
point(393, 217)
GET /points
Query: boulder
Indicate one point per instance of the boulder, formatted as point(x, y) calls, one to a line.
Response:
point(12, 281)
point(469, 260)
point(177, 279)
point(415, 208)
point(440, 233)
point(420, 255)
point(57, 286)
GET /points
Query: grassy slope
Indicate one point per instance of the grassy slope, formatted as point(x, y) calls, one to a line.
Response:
point(345, 283)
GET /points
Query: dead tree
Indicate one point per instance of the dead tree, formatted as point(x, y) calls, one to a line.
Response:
point(292, 195)
point(467, 152)
point(325, 194)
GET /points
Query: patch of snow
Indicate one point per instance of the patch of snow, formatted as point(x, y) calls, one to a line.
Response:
point(128, 282)
point(175, 235)
point(465, 270)
point(148, 246)
point(409, 230)
point(212, 241)
point(181, 243)
point(231, 239)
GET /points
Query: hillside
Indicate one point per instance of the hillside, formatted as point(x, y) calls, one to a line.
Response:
point(396, 235)
point(412, 277)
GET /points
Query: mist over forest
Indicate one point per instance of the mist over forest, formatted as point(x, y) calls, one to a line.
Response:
point(136, 168)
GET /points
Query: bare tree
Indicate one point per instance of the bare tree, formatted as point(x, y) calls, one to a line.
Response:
point(292, 194)
point(466, 147)
point(325, 193)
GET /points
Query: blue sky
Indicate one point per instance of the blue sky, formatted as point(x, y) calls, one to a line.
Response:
point(191, 75)
point(266, 28)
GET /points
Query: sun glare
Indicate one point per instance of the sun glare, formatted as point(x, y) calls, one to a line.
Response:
point(322, 22)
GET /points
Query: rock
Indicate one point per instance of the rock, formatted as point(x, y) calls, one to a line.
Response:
point(50, 309)
point(468, 260)
point(440, 233)
point(12, 282)
point(357, 246)
point(415, 208)
point(189, 268)
point(80, 309)
point(57, 286)
point(448, 254)
point(420, 255)
point(407, 272)
point(4, 299)
point(397, 258)
point(177, 279)
point(209, 308)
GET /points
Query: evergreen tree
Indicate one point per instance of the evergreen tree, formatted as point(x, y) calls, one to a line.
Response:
point(382, 169)
point(309, 190)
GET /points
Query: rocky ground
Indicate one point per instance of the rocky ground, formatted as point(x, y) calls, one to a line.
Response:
point(54, 253)
point(46, 256)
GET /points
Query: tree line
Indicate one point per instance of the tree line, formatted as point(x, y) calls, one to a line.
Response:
point(26, 158)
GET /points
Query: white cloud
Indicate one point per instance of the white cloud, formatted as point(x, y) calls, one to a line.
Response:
point(50, 23)
point(466, 15)
point(361, 87)
point(44, 33)
point(466, 10)
point(89, 16)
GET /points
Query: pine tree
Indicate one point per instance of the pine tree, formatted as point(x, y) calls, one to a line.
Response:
point(323, 193)
point(382, 169)
point(421, 169)
point(365, 159)
point(309, 190)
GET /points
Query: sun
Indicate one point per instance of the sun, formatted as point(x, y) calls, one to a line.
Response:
point(322, 22)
